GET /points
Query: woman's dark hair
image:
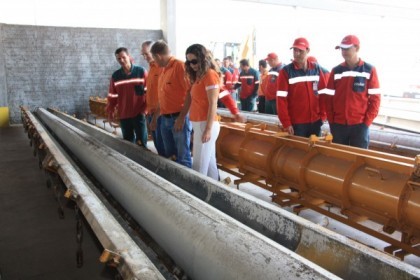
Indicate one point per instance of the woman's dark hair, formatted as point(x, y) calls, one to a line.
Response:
point(205, 62)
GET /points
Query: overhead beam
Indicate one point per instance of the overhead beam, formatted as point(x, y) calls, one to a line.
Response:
point(372, 8)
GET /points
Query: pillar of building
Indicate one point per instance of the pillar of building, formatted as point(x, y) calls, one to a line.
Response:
point(168, 22)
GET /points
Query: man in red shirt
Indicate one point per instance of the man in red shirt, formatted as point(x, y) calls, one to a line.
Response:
point(228, 64)
point(227, 78)
point(352, 96)
point(298, 106)
point(249, 83)
point(270, 86)
point(127, 90)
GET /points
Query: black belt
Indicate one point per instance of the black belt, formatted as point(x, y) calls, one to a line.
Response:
point(173, 115)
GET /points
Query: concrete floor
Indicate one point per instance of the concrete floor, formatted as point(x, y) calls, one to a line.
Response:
point(34, 242)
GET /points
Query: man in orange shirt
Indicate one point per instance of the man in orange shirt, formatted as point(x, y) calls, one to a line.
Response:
point(152, 95)
point(172, 91)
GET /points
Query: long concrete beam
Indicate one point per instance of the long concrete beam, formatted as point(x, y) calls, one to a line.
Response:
point(134, 262)
point(346, 258)
point(206, 243)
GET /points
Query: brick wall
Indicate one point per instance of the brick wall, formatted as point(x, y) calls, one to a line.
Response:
point(61, 67)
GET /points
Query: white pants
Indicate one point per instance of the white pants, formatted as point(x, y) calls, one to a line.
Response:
point(204, 154)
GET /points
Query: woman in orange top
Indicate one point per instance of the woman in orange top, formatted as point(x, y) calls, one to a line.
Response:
point(201, 101)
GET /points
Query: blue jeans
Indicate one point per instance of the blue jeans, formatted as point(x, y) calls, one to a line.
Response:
point(271, 107)
point(308, 129)
point(177, 142)
point(157, 136)
point(248, 104)
point(353, 135)
point(134, 129)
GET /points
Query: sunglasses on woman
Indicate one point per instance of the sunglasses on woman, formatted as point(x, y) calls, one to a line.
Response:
point(192, 61)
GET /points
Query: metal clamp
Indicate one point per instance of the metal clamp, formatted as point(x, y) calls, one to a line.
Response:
point(110, 257)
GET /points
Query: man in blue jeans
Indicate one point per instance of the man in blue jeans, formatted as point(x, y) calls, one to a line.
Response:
point(177, 142)
point(353, 96)
point(248, 83)
point(172, 91)
point(298, 107)
point(152, 98)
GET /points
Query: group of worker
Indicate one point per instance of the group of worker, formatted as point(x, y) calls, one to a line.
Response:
point(177, 97)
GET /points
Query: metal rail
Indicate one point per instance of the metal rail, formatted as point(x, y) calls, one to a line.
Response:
point(131, 261)
point(395, 142)
point(340, 255)
point(206, 243)
point(399, 112)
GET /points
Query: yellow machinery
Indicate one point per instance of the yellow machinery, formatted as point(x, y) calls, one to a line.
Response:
point(309, 173)
point(4, 116)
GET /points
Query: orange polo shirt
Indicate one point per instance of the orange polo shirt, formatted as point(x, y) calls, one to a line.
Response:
point(152, 82)
point(263, 82)
point(199, 99)
point(173, 87)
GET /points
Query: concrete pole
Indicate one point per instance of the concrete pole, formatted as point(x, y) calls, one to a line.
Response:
point(168, 23)
point(205, 242)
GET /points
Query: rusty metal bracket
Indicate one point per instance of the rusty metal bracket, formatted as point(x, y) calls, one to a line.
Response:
point(111, 258)
point(416, 171)
point(71, 194)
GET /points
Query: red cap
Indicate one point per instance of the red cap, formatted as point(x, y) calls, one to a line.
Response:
point(301, 44)
point(271, 56)
point(348, 42)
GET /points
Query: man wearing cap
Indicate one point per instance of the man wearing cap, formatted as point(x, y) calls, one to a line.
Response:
point(270, 86)
point(352, 96)
point(298, 106)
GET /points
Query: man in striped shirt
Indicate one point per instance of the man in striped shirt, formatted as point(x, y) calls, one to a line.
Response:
point(127, 92)
point(352, 96)
point(298, 106)
point(249, 83)
point(270, 86)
